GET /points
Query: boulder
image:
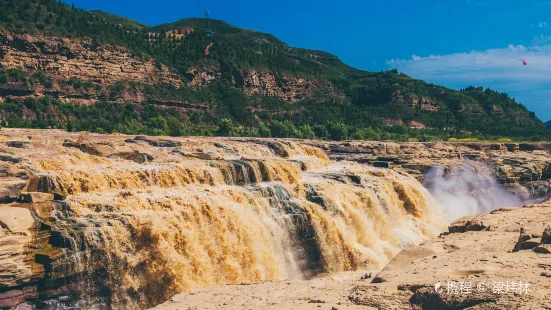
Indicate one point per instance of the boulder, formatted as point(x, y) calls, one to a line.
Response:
point(467, 223)
point(459, 225)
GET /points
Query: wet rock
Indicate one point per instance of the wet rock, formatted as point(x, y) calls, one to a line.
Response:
point(48, 255)
point(225, 147)
point(278, 148)
point(475, 146)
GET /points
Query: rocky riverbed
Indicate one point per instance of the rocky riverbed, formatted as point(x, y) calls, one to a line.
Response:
point(99, 221)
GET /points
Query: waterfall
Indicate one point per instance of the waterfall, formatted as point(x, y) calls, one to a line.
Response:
point(138, 233)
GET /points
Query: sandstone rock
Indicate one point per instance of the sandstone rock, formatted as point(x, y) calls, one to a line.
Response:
point(511, 147)
point(35, 197)
point(133, 156)
point(543, 248)
point(18, 144)
point(475, 225)
point(156, 143)
point(467, 223)
point(546, 236)
point(13, 298)
point(527, 147)
point(497, 146)
point(46, 184)
point(382, 164)
point(206, 156)
point(16, 219)
point(10, 159)
point(10, 189)
point(530, 244)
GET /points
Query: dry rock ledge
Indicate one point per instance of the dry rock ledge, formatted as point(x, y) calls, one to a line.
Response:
point(484, 262)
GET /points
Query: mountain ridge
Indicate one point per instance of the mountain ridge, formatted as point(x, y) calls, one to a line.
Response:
point(241, 76)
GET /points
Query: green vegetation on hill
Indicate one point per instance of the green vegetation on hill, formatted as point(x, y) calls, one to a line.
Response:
point(370, 101)
point(123, 21)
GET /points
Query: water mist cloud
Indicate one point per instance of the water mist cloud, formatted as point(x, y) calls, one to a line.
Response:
point(467, 189)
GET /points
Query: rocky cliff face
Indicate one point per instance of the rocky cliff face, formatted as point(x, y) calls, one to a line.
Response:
point(289, 88)
point(413, 101)
point(105, 65)
point(66, 58)
point(282, 86)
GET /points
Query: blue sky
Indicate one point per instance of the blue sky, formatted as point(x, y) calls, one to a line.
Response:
point(455, 43)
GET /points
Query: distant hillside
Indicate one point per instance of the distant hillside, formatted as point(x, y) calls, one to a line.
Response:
point(548, 124)
point(123, 21)
point(70, 68)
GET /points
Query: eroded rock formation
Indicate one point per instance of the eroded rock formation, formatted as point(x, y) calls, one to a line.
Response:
point(82, 59)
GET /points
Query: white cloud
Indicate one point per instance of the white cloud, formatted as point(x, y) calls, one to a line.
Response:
point(500, 69)
point(542, 25)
